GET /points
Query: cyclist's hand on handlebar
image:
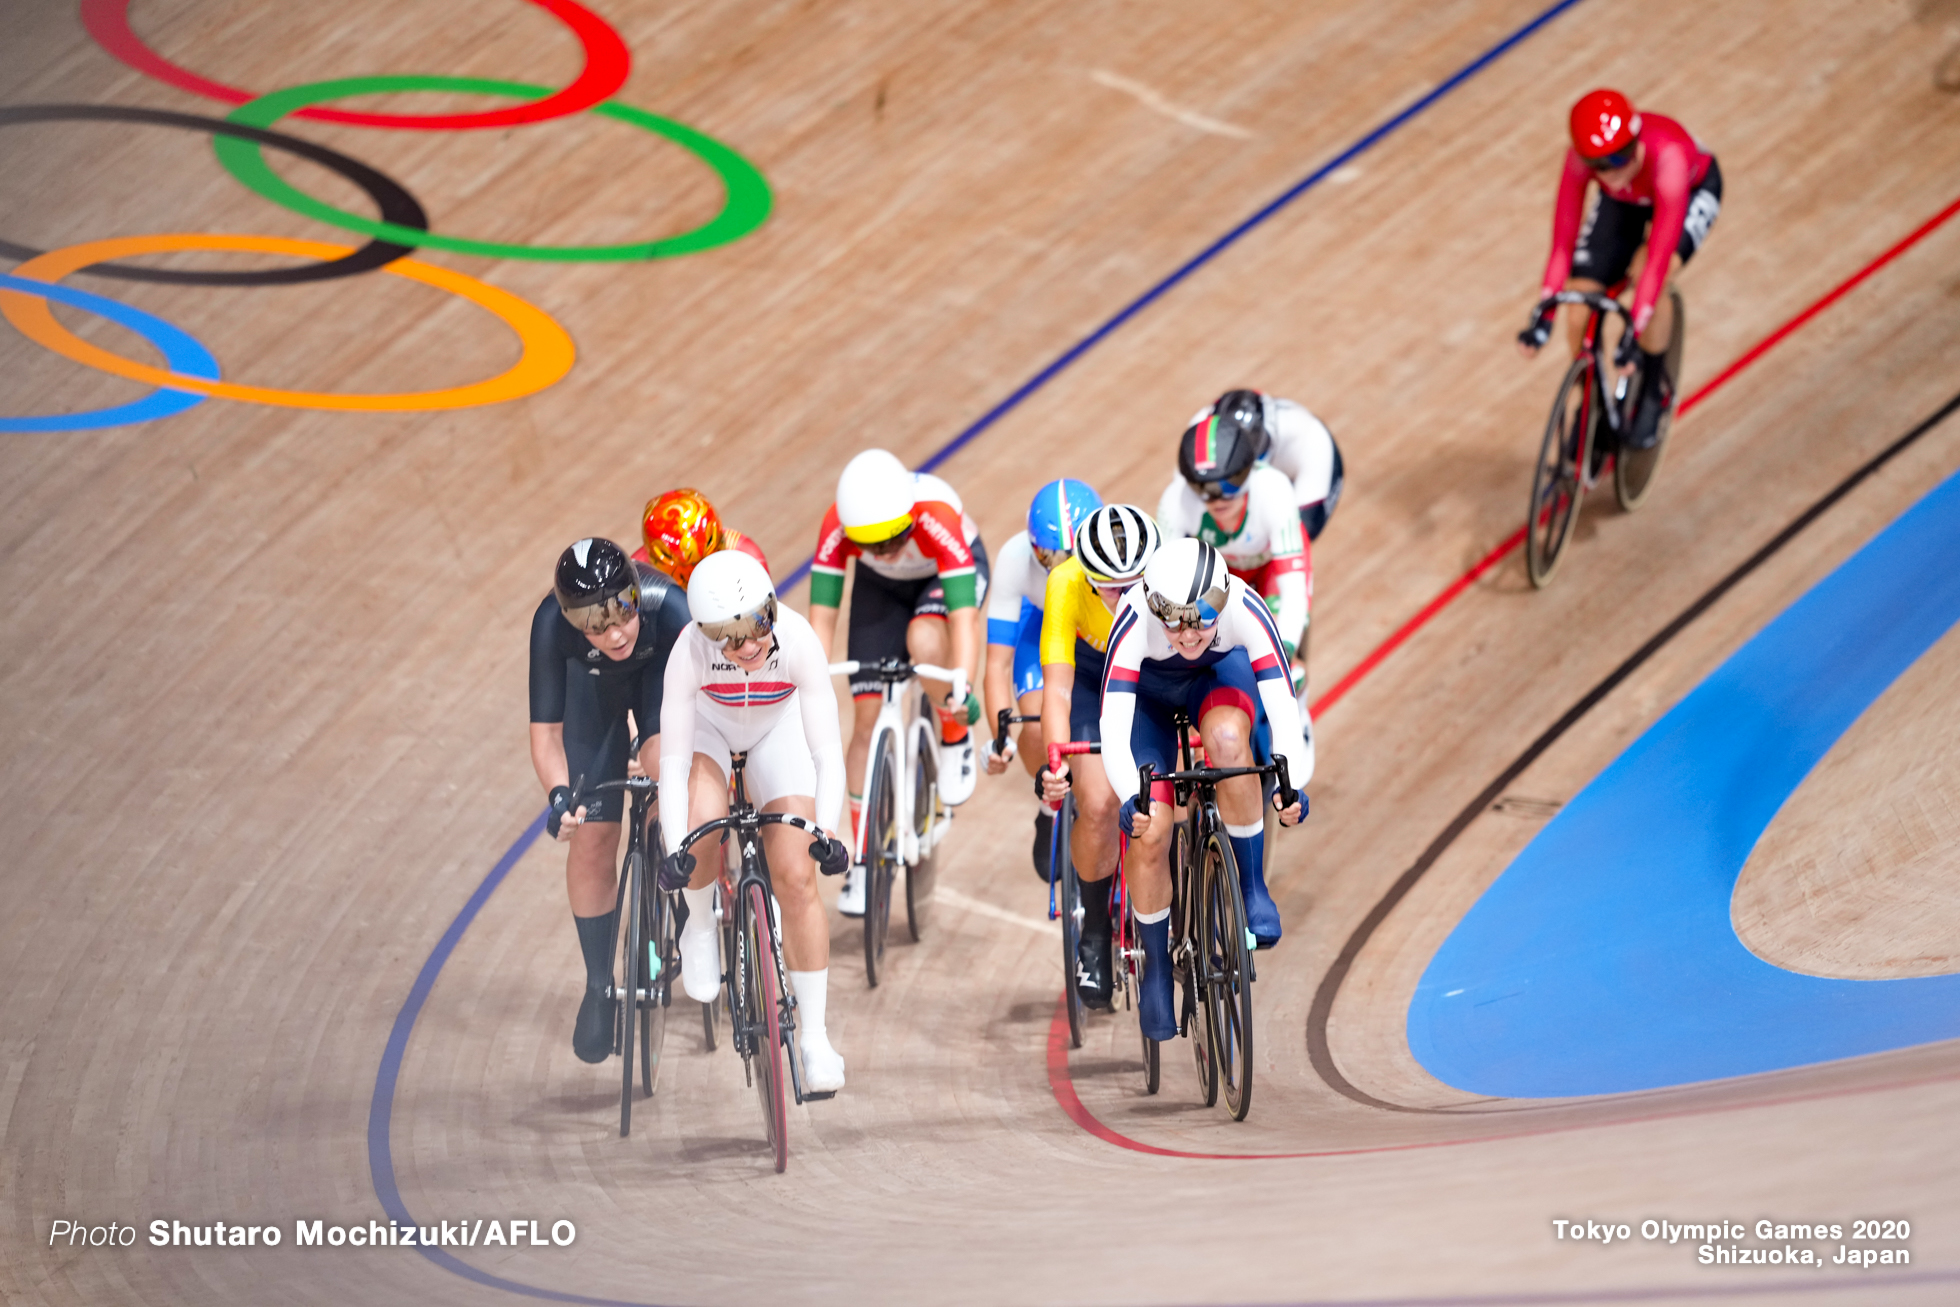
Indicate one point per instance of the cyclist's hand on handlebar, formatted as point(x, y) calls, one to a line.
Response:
point(1295, 814)
point(1052, 786)
point(1623, 357)
point(1134, 816)
point(832, 855)
point(562, 821)
point(676, 870)
point(1533, 337)
point(997, 761)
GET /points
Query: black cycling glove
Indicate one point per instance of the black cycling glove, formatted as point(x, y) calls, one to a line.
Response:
point(833, 857)
point(561, 803)
point(1538, 332)
point(1629, 348)
point(676, 870)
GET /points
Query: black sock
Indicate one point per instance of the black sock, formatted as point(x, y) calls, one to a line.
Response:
point(595, 940)
point(1095, 908)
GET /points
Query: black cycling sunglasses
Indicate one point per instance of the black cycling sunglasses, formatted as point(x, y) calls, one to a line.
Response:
point(1618, 159)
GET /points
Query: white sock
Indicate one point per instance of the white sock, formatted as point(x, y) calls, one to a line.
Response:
point(700, 908)
point(811, 988)
point(1152, 918)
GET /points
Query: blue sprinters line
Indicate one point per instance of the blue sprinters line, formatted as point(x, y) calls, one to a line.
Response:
point(181, 354)
point(1604, 959)
point(1216, 248)
point(380, 1111)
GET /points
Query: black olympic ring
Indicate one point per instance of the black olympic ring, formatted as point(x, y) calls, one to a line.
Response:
point(394, 201)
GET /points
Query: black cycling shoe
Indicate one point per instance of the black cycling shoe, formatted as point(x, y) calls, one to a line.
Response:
point(1044, 837)
point(592, 1035)
point(1092, 979)
point(1655, 396)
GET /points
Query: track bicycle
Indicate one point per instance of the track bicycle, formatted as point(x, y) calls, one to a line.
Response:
point(1211, 948)
point(1574, 449)
point(648, 939)
point(761, 1008)
point(903, 819)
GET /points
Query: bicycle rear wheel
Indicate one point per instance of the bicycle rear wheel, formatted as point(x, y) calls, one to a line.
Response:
point(1228, 980)
point(1068, 894)
point(880, 857)
point(919, 877)
point(663, 963)
point(763, 986)
point(633, 970)
point(1558, 480)
point(1634, 470)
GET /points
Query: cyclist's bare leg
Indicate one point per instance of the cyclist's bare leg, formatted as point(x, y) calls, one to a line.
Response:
point(864, 716)
point(928, 641)
point(1576, 314)
point(591, 868)
point(1148, 869)
point(793, 876)
point(1094, 838)
point(707, 800)
point(1227, 733)
point(1660, 328)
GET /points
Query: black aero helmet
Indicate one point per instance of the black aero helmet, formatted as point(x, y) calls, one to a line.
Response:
point(596, 584)
point(1245, 411)
point(1219, 449)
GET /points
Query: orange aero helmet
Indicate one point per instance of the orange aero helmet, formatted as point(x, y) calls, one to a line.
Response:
point(681, 528)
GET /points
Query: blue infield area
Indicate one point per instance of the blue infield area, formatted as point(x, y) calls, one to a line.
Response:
point(1603, 959)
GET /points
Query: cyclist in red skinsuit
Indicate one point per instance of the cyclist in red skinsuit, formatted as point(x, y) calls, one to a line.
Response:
point(1659, 188)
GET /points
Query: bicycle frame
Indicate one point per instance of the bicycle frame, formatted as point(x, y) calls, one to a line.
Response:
point(746, 823)
point(1604, 381)
point(905, 717)
point(648, 982)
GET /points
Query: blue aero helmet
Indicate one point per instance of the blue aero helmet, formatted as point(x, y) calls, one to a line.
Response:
point(1057, 510)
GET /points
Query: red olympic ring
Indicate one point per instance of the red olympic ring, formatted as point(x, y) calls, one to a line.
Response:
point(606, 64)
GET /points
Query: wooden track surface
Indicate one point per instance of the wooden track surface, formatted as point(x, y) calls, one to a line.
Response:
point(264, 684)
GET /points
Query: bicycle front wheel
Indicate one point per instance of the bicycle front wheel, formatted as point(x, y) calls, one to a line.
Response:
point(633, 979)
point(1068, 897)
point(880, 857)
point(1558, 480)
point(763, 987)
point(1227, 966)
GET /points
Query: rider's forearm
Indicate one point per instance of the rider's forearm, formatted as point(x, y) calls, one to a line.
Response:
point(677, 738)
point(1291, 739)
point(548, 755)
point(1291, 619)
point(1057, 702)
point(1119, 764)
point(823, 620)
point(964, 624)
point(999, 680)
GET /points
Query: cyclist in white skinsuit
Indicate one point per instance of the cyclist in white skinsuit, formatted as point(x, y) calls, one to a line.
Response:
point(749, 676)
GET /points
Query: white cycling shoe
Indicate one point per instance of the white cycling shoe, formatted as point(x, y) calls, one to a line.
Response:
point(701, 961)
point(851, 901)
point(823, 1066)
point(957, 773)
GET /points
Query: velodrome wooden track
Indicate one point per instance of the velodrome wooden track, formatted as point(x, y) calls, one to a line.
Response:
point(264, 682)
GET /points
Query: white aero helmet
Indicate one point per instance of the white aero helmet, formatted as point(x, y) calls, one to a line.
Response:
point(730, 597)
point(875, 495)
point(1115, 542)
point(1186, 584)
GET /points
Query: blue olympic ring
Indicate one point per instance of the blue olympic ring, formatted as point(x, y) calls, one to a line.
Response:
point(181, 354)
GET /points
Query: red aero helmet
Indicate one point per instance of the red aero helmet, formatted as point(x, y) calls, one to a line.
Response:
point(1603, 124)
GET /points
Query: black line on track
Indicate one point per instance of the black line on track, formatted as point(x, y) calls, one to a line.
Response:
point(390, 197)
point(1319, 1050)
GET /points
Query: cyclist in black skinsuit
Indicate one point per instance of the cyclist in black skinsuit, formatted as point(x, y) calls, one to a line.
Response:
point(599, 646)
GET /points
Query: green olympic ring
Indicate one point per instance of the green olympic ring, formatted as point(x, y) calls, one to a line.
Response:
point(745, 205)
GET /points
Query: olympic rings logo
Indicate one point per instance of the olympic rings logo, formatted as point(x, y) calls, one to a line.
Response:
point(191, 373)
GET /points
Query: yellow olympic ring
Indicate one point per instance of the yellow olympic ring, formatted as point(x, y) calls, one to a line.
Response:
point(547, 349)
